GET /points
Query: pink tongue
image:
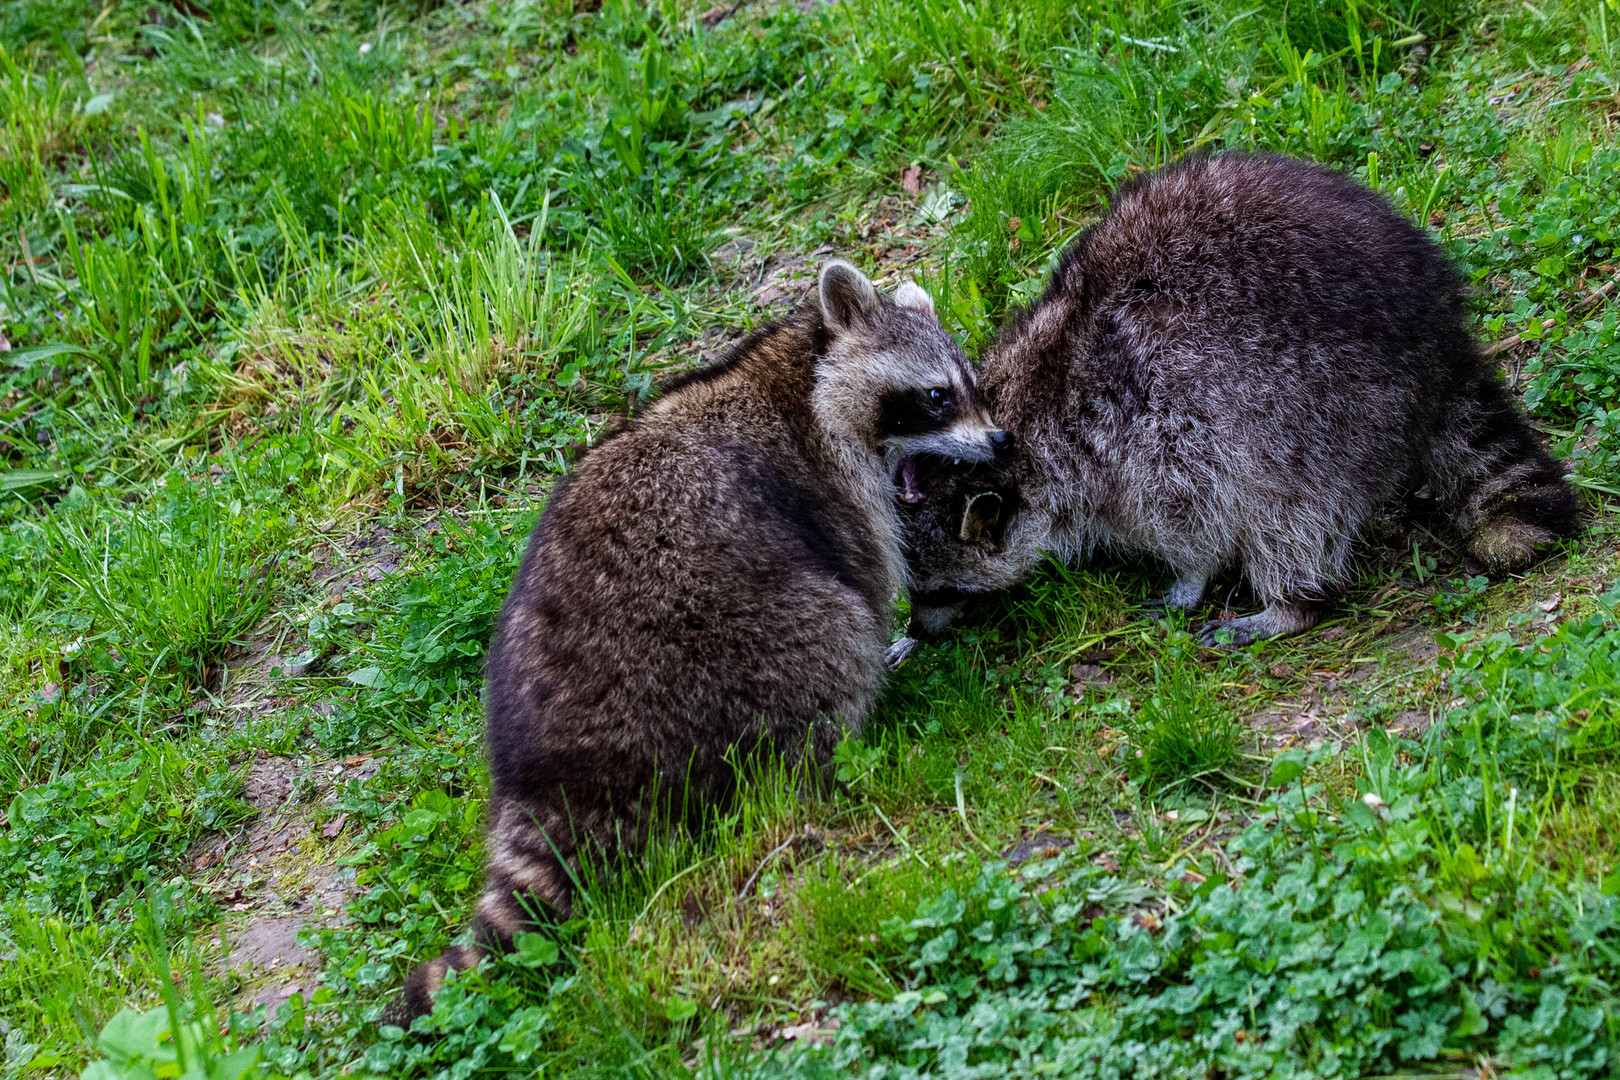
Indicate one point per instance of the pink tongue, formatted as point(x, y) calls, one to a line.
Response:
point(908, 478)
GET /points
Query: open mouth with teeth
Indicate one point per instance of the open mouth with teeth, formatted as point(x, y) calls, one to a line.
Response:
point(912, 472)
point(905, 478)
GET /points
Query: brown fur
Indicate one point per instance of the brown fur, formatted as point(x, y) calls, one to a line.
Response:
point(714, 582)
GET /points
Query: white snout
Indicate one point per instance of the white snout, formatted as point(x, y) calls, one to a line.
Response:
point(959, 443)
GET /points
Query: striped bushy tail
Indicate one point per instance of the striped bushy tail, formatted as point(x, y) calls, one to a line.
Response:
point(529, 877)
point(1503, 491)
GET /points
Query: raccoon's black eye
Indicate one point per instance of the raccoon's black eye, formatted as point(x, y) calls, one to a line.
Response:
point(939, 397)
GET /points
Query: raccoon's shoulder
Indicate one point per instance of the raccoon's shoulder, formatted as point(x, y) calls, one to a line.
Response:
point(708, 506)
point(757, 400)
point(772, 370)
point(702, 448)
point(1077, 339)
point(660, 463)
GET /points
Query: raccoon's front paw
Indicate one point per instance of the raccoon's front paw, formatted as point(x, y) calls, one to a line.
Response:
point(899, 652)
point(1280, 618)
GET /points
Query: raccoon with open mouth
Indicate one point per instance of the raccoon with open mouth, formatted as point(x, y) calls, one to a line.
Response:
point(1239, 366)
point(715, 581)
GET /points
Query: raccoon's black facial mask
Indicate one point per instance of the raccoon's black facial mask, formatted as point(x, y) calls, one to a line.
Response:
point(917, 411)
point(913, 414)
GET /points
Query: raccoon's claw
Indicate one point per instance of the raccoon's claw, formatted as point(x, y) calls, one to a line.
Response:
point(899, 652)
point(1280, 618)
point(1155, 609)
point(1226, 634)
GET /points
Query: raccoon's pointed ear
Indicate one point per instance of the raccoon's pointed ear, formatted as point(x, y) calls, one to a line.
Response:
point(980, 516)
point(847, 297)
point(912, 297)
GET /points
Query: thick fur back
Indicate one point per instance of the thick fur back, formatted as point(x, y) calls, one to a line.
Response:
point(715, 584)
point(1239, 365)
point(715, 581)
point(707, 580)
point(711, 583)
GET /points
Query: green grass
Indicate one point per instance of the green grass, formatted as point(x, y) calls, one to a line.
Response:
point(303, 308)
point(1182, 734)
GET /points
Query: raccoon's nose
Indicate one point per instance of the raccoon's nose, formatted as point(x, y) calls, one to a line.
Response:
point(1001, 442)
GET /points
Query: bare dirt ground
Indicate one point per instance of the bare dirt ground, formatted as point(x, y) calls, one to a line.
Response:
point(278, 873)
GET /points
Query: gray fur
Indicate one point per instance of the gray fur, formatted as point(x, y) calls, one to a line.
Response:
point(1239, 366)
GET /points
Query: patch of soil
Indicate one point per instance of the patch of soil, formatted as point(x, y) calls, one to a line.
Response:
point(716, 342)
point(1289, 724)
point(247, 675)
point(252, 673)
point(363, 560)
point(786, 281)
point(1085, 675)
point(1411, 723)
point(1416, 644)
point(1042, 845)
point(889, 240)
point(278, 873)
point(268, 952)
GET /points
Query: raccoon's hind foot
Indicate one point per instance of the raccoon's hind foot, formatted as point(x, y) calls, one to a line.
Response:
point(1188, 590)
point(1184, 595)
point(1281, 618)
point(1521, 529)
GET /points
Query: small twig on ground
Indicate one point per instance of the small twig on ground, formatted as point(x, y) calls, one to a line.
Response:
point(1507, 343)
point(1598, 295)
point(775, 851)
point(1584, 306)
point(719, 14)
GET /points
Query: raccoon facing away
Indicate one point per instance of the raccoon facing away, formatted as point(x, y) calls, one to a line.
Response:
point(713, 582)
point(1237, 367)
